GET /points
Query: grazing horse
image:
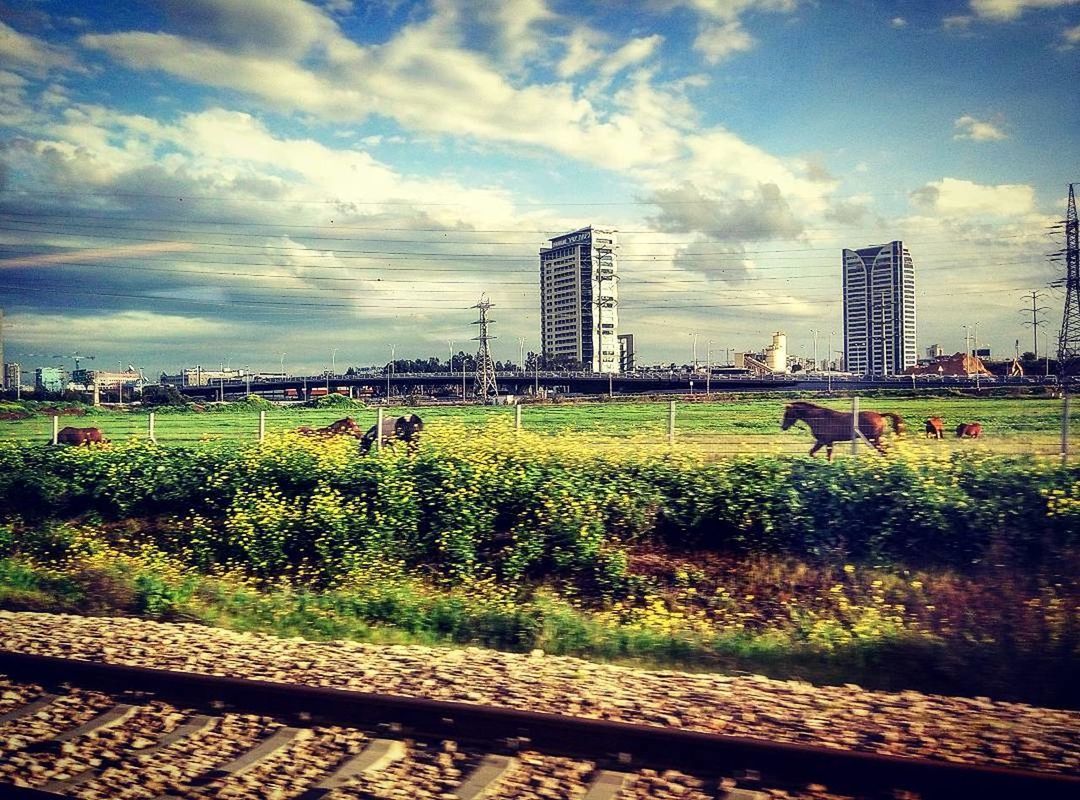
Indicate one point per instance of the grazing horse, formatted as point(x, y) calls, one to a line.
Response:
point(968, 430)
point(935, 428)
point(80, 436)
point(405, 429)
point(830, 426)
point(342, 427)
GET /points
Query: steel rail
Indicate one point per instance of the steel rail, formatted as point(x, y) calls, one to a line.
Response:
point(604, 741)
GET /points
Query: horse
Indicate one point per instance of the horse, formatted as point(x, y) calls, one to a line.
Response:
point(830, 426)
point(80, 436)
point(935, 428)
point(405, 429)
point(342, 427)
point(968, 430)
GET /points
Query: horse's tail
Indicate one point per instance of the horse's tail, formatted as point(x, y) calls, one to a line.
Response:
point(897, 421)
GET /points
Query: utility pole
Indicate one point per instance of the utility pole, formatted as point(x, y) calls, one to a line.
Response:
point(978, 362)
point(695, 351)
point(521, 353)
point(814, 331)
point(389, 369)
point(1069, 337)
point(708, 368)
point(484, 384)
point(1036, 311)
point(450, 353)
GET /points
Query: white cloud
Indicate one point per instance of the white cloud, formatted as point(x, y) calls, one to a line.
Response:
point(633, 52)
point(967, 127)
point(1070, 37)
point(582, 51)
point(957, 22)
point(898, 22)
point(952, 197)
point(28, 54)
point(1006, 10)
point(718, 42)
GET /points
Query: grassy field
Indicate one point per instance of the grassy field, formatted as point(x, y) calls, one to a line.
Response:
point(722, 427)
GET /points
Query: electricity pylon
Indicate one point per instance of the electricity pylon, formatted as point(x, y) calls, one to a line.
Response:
point(484, 385)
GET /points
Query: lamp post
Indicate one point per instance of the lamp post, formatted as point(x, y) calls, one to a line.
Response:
point(389, 369)
point(694, 335)
point(829, 365)
point(708, 367)
point(120, 382)
point(450, 353)
point(521, 353)
point(283, 365)
point(815, 332)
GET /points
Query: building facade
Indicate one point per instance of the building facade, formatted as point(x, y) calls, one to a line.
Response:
point(879, 310)
point(49, 379)
point(12, 376)
point(579, 299)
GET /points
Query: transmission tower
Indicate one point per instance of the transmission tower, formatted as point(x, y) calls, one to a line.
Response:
point(484, 386)
point(1069, 341)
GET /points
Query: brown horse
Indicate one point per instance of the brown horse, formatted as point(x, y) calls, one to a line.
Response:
point(968, 430)
point(830, 426)
point(80, 436)
point(342, 427)
point(935, 428)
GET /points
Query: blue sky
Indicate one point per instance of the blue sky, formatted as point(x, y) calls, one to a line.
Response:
point(206, 181)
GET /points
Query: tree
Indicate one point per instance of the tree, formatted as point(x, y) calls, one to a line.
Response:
point(163, 395)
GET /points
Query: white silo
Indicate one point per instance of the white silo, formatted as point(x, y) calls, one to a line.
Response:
point(776, 353)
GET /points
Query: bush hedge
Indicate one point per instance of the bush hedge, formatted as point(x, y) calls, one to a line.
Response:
point(524, 506)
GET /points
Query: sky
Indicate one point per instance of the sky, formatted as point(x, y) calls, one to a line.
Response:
point(276, 183)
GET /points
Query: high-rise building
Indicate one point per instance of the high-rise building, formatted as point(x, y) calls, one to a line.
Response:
point(879, 310)
point(579, 298)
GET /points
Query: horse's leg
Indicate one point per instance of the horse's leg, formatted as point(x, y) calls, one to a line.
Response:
point(817, 446)
point(828, 451)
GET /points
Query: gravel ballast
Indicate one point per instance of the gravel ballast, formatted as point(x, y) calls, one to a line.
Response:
point(972, 730)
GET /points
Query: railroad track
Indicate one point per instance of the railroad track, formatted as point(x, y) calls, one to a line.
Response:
point(91, 730)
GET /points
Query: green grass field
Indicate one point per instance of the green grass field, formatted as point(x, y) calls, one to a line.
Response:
point(730, 427)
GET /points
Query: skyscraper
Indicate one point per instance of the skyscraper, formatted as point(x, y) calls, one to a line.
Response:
point(579, 315)
point(879, 310)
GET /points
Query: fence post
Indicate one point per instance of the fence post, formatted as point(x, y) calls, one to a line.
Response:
point(671, 422)
point(517, 417)
point(1065, 427)
point(55, 428)
point(150, 428)
point(262, 424)
point(378, 429)
point(855, 426)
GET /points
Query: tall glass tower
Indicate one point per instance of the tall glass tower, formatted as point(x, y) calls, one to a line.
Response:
point(879, 310)
point(579, 314)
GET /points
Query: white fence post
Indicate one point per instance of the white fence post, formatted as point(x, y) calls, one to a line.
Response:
point(378, 429)
point(517, 417)
point(1065, 427)
point(262, 425)
point(855, 426)
point(671, 422)
point(150, 428)
point(55, 428)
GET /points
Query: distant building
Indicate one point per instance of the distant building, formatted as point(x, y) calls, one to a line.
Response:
point(934, 351)
point(12, 375)
point(627, 356)
point(49, 379)
point(198, 376)
point(879, 310)
point(579, 315)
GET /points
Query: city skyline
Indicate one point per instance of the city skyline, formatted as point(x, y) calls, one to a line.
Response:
point(199, 182)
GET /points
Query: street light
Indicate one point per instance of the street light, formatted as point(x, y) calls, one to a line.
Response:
point(815, 332)
point(283, 365)
point(694, 335)
point(450, 353)
point(389, 368)
point(521, 353)
point(708, 367)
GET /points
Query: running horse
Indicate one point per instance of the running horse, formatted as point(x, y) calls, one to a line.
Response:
point(829, 426)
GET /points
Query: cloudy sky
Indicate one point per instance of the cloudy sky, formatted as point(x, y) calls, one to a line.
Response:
point(210, 181)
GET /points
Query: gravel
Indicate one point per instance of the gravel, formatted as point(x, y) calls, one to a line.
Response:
point(972, 730)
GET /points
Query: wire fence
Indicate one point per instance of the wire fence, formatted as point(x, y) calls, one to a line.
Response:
point(1032, 427)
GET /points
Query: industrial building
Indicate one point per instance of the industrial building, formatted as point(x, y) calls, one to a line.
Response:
point(773, 360)
point(579, 315)
point(879, 310)
point(49, 379)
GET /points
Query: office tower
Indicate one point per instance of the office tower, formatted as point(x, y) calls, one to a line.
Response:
point(879, 310)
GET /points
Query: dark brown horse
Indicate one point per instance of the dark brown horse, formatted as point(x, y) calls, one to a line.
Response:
point(968, 430)
point(404, 429)
point(80, 436)
point(935, 428)
point(830, 426)
point(342, 427)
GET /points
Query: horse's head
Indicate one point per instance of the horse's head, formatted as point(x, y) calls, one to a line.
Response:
point(791, 416)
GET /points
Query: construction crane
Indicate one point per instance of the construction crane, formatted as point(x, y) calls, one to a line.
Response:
point(77, 356)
